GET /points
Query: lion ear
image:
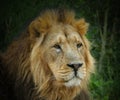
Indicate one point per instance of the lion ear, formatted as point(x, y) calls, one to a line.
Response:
point(82, 26)
point(37, 27)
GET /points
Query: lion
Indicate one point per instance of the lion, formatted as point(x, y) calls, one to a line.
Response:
point(51, 60)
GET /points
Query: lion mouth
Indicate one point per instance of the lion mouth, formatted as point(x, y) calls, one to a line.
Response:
point(76, 77)
point(71, 78)
point(74, 80)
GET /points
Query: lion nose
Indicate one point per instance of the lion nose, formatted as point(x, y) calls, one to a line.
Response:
point(75, 66)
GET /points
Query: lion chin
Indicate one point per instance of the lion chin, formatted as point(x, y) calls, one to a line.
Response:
point(51, 60)
point(73, 82)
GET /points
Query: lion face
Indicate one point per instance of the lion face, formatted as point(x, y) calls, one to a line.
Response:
point(64, 55)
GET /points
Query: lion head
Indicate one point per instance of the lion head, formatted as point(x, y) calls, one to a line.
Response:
point(60, 60)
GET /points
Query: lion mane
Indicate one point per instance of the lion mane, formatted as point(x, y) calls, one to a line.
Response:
point(36, 69)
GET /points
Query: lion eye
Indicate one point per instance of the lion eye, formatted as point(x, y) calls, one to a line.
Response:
point(57, 47)
point(79, 45)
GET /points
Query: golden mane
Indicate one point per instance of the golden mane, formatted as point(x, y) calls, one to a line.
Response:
point(53, 17)
point(27, 66)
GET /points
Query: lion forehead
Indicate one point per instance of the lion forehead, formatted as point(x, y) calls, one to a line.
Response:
point(62, 34)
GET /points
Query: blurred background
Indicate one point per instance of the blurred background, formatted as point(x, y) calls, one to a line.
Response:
point(104, 34)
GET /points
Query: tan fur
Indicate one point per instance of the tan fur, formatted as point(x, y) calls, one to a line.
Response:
point(33, 59)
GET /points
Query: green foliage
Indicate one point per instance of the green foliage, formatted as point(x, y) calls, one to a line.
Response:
point(100, 88)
